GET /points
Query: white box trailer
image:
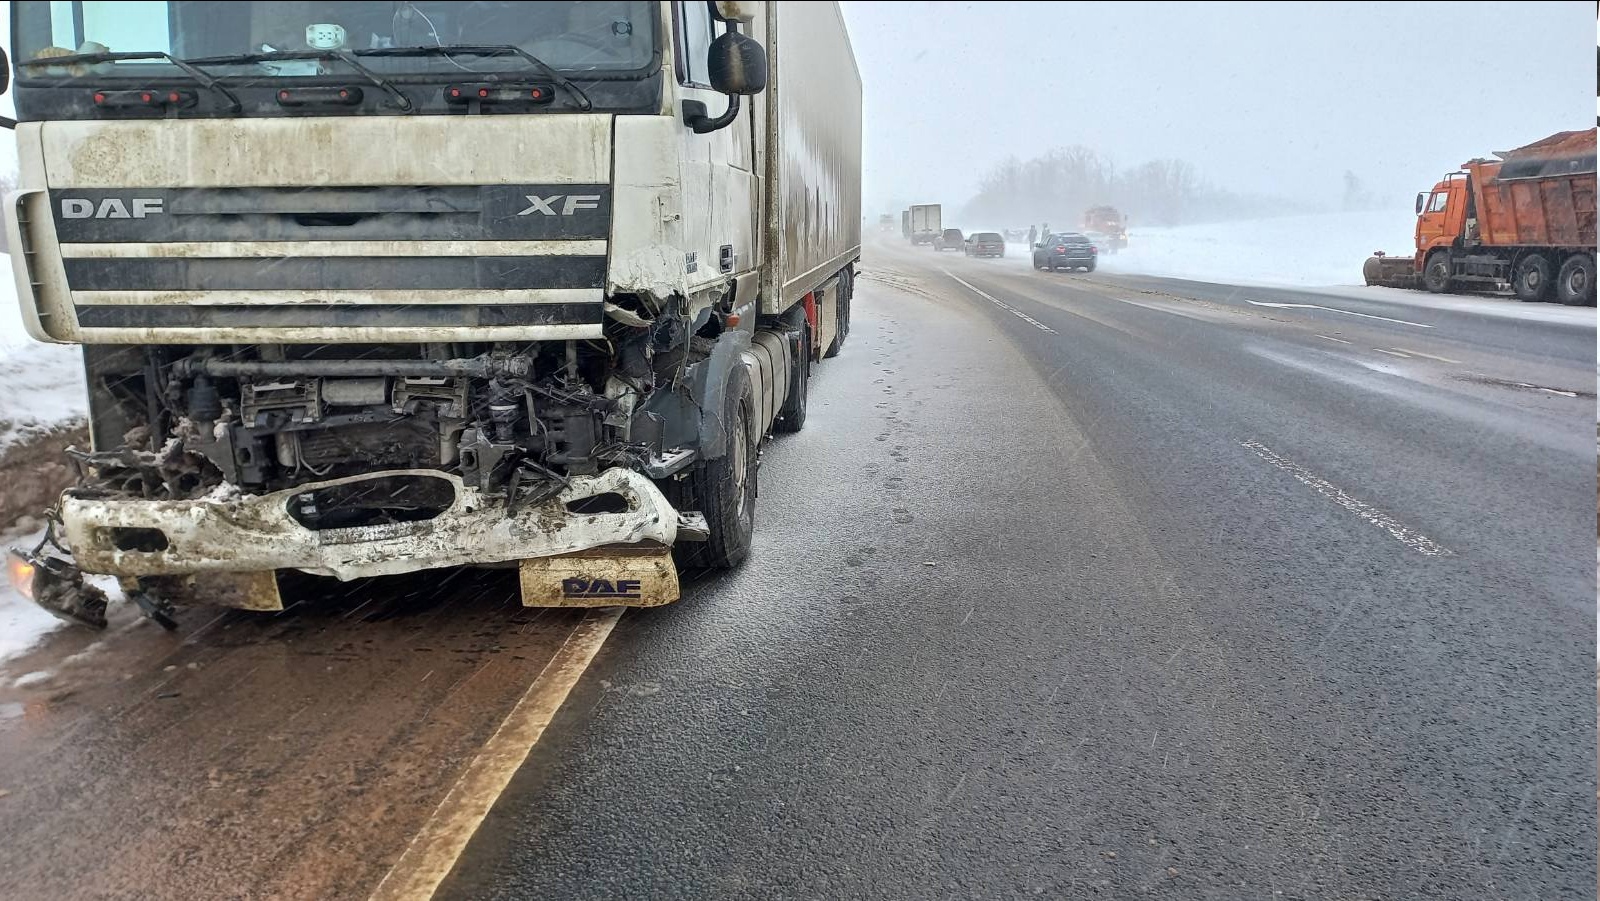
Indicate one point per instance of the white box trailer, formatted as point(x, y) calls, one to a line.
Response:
point(469, 287)
point(926, 222)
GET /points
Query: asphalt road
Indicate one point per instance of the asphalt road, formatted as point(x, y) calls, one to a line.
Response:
point(1073, 586)
point(1132, 586)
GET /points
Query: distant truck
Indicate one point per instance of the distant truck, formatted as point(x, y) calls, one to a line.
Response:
point(1107, 222)
point(886, 223)
point(1526, 219)
point(905, 224)
point(419, 304)
point(927, 223)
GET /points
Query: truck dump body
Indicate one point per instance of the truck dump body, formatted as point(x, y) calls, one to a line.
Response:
point(1542, 194)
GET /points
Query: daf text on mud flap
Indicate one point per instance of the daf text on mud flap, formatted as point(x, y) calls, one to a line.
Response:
point(600, 588)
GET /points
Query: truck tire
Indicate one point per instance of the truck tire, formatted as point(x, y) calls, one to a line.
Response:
point(1436, 273)
point(837, 344)
point(1575, 282)
point(847, 296)
point(792, 415)
point(724, 489)
point(1533, 278)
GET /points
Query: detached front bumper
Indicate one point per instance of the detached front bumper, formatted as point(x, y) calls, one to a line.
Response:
point(260, 534)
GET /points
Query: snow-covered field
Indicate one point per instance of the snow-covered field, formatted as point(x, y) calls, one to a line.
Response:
point(1310, 251)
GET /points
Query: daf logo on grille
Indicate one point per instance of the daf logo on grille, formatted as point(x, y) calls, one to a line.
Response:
point(111, 208)
point(573, 203)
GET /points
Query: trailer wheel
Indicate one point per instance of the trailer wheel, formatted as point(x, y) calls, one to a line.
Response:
point(1532, 279)
point(1575, 283)
point(724, 489)
point(792, 415)
point(847, 294)
point(1436, 274)
point(837, 343)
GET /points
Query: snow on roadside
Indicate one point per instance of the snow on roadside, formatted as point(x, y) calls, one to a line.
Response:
point(1312, 250)
point(22, 622)
point(42, 384)
point(41, 387)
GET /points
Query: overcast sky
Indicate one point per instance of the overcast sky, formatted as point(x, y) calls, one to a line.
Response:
point(1260, 97)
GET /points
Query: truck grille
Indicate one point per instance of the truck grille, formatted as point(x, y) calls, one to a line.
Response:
point(529, 258)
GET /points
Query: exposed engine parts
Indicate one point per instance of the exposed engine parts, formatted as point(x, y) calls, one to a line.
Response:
point(173, 422)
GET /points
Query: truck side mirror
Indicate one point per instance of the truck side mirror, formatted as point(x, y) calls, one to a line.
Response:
point(5, 72)
point(738, 64)
point(1421, 200)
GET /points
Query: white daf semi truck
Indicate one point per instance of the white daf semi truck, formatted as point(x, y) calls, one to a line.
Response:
point(373, 288)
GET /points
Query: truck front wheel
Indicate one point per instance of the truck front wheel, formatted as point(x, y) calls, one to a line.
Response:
point(1436, 274)
point(1532, 278)
point(1575, 283)
point(724, 489)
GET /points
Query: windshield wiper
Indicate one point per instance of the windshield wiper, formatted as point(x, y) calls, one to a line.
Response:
point(447, 50)
point(344, 56)
point(203, 78)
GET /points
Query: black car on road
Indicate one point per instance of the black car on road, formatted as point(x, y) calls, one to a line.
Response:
point(985, 244)
point(1067, 250)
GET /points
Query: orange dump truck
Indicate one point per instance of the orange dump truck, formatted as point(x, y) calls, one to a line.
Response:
point(1526, 219)
point(1108, 222)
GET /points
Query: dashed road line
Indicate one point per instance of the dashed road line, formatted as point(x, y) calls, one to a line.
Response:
point(437, 846)
point(1393, 353)
point(1418, 353)
point(1001, 304)
point(1406, 535)
point(1313, 306)
point(1331, 338)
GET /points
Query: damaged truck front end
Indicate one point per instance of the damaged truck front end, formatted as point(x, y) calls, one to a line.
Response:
point(358, 311)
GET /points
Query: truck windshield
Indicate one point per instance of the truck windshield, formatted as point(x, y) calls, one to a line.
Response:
point(575, 37)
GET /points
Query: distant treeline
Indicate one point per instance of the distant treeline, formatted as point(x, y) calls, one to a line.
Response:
point(1058, 186)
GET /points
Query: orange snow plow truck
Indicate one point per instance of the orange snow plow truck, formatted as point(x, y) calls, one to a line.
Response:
point(1525, 220)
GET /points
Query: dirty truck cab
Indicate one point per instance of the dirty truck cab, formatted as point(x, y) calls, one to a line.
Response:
point(368, 288)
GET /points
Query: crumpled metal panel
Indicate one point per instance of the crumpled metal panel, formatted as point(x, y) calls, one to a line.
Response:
point(254, 533)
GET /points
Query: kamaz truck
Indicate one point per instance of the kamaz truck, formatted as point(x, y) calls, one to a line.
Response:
point(1524, 219)
point(377, 288)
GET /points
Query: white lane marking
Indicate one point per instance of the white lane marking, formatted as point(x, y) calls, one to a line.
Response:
point(1002, 304)
point(1312, 306)
point(438, 844)
point(1549, 390)
point(1406, 535)
point(1418, 353)
point(1331, 338)
point(1393, 353)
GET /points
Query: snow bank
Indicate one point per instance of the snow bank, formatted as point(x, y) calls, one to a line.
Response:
point(1318, 250)
point(41, 385)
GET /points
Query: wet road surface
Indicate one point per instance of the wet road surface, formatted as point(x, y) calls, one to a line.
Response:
point(1072, 586)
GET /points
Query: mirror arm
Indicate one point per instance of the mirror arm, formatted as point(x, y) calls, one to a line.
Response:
point(8, 123)
point(694, 112)
point(694, 115)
